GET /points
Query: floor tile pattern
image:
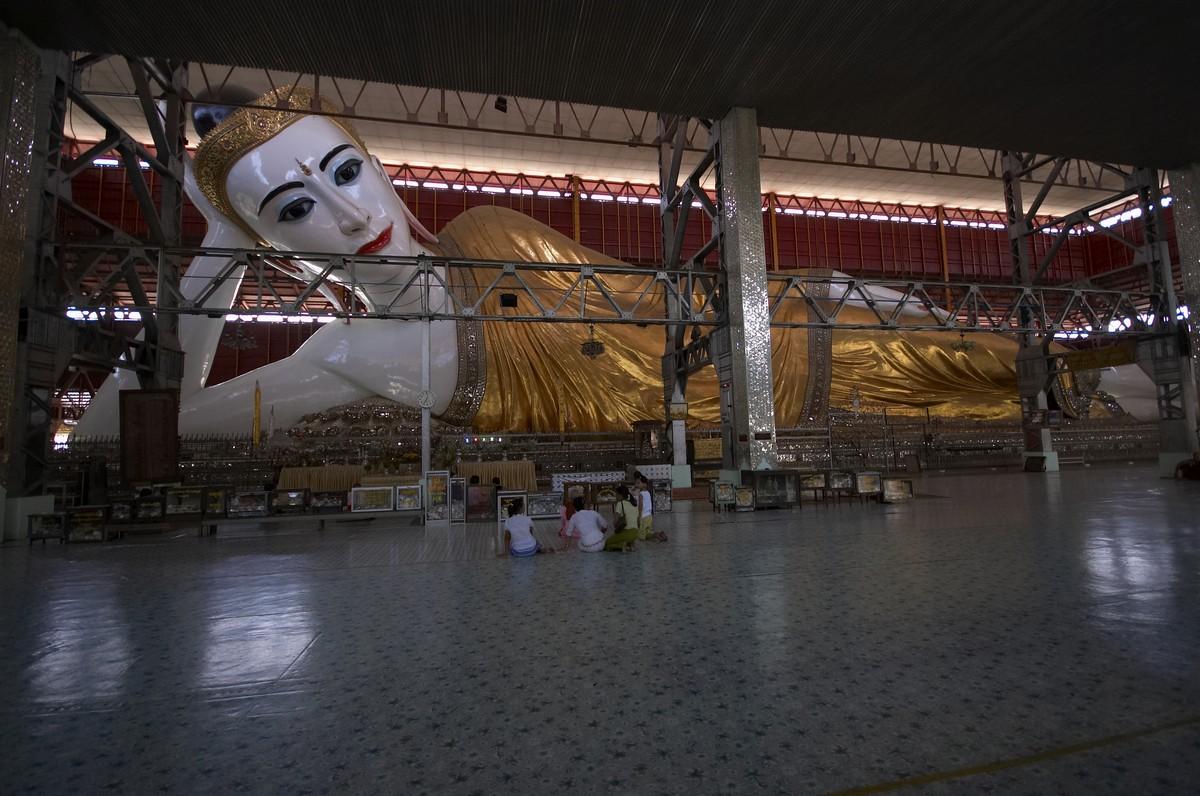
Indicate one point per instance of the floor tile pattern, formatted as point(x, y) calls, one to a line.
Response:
point(998, 616)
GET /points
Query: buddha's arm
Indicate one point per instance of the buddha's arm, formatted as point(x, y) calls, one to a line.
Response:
point(293, 387)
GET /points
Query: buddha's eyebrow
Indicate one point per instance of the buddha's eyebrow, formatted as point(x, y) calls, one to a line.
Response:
point(275, 192)
point(331, 153)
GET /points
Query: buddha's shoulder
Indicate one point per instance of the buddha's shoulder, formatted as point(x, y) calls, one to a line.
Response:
point(500, 233)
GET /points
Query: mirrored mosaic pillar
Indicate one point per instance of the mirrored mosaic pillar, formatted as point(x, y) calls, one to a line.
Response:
point(747, 389)
point(1185, 210)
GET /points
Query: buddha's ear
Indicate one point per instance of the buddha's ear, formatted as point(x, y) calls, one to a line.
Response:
point(414, 224)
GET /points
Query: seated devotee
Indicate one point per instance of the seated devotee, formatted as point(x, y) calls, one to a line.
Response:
point(589, 526)
point(518, 532)
point(625, 532)
point(645, 501)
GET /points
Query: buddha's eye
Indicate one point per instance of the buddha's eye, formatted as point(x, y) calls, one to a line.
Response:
point(296, 210)
point(347, 172)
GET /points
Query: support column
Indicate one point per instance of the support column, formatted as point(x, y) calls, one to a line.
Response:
point(1033, 376)
point(748, 409)
point(1185, 209)
point(36, 339)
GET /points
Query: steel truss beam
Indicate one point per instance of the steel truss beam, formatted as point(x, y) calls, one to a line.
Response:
point(458, 110)
point(674, 298)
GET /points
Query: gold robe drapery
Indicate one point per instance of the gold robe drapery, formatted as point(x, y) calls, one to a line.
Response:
point(537, 379)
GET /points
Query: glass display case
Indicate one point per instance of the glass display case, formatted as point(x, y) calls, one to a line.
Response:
point(120, 510)
point(841, 481)
point(867, 484)
point(724, 495)
point(897, 490)
point(289, 501)
point(458, 500)
point(250, 504)
point(151, 508)
point(437, 496)
point(662, 495)
point(216, 500)
point(544, 505)
point(408, 497)
point(86, 523)
point(46, 526)
point(183, 501)
point(743, 498)
point(327, 502)
point(372, 498)
point(773, 488)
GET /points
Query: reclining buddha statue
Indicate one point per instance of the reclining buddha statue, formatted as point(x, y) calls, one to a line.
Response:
point(280, 176)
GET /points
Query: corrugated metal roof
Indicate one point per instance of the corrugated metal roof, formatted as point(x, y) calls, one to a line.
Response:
point(1106, 80)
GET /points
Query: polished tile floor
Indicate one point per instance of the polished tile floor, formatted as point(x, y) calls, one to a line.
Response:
point(1005, 632)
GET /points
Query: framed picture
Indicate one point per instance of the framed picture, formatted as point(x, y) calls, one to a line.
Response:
point(724, 493)
point(812, 480)
point(289, 501)
point(458, 500)
point(120, 511)
point(867, 483)
point(86, 523)
point(408, 497)
point(744, 498)
point(897, 490)
point(327, 502)
point(149, 509)
point(184, 501)
point(437, 495)
point(250, 504)
point(662, 495)
point(543, 505)
point(215, 499)
point(604, 494)
point(842, 481)
point(481, 503)
point(372, 498)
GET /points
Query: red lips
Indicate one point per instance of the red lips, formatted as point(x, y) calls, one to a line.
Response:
point(370, 247)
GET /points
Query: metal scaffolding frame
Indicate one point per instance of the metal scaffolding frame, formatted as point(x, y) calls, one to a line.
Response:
point(683, 299)
point(1161, 332)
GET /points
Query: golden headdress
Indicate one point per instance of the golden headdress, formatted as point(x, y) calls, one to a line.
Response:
point(247, 128)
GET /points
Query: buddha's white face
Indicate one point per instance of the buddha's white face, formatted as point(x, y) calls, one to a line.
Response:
point(312, 189)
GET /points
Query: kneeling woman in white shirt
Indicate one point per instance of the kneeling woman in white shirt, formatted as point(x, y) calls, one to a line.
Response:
point(519, 530)
point(589, 526)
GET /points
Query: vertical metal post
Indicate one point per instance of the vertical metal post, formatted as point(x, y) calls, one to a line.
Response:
point(426, 399)
point(1033, 375)
point(671, 133)
point(944, 255)
point(747, 343)
point(576, 185)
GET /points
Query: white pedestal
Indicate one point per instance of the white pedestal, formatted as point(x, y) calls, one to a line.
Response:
point(681, 476)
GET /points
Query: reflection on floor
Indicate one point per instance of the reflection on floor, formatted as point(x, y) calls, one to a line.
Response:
point(1041, 632)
